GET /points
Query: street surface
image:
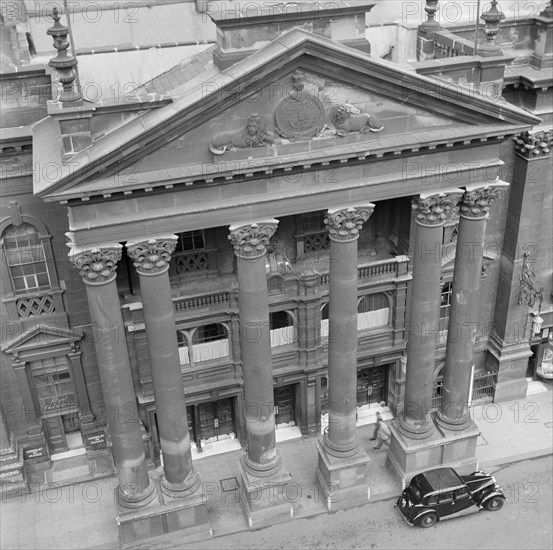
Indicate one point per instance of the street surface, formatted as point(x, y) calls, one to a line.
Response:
point(524, 522)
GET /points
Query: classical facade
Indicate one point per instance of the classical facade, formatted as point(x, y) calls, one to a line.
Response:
point(294, 237)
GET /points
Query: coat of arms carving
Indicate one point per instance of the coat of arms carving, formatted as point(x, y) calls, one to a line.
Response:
point(300, 114)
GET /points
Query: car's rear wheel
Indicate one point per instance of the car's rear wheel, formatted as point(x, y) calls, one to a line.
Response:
point(494, 504)
point(428, 520)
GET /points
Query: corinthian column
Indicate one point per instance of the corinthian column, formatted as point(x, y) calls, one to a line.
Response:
point(151, 258)
point(343, 226)
point(465, 313)
point(342, 468)
point(250, 246)
point(262, 477)
point(97, 265)
point(431, 211)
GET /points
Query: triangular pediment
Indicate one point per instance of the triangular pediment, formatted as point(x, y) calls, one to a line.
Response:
point(203, 134)
point(42, 336)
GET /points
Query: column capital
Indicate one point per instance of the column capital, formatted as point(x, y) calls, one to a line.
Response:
point(478, 198)
point(534, 145)
point(345, 222)
point(151, 256)
point(434, 207)
point(250, 240)
point(96, 263)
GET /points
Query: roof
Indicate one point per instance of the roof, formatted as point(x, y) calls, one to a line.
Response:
point(439, 479)
point(194, 103)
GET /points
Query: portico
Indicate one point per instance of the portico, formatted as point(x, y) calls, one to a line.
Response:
point(241, 192)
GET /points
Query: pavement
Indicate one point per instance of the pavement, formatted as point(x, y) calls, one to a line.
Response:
point(82, 515)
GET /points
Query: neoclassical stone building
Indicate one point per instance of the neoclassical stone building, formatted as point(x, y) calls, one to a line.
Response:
point(296, 236)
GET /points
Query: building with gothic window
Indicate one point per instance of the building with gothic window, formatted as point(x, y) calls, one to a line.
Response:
point(276, 233)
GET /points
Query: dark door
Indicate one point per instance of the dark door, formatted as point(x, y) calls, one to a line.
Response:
point(55, 434)
point(371, 385)
point(216, 418)
point(446, 504)
point(284, 405)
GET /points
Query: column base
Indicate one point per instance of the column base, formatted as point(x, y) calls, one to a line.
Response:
point(163, 519)
point(446, 448)
point(263, 499)
point(343, 481)
point(510, 361)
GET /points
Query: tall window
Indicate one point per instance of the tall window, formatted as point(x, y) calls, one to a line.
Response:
point(313, 233)
point(25, 258)
point(190, 254)
point(445, 307)
point(53, 384)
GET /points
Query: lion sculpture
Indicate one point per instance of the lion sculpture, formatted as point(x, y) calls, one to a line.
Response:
point(255, 134)
point(350, 119)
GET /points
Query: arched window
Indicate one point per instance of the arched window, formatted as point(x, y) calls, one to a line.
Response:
point(203, 343)
point(373, 310)
point(210, 342)
point(282, 327)
point(184, 353)
point(324, 321)
point(24, 253)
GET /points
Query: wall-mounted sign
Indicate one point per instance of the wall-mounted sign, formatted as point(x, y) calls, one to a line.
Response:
point(95, 439)
point(38, 451)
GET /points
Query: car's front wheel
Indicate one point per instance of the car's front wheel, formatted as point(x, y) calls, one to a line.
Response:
point(428, 520)
point(494, 504)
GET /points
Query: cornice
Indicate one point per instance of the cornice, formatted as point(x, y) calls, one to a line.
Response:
point(271, 167)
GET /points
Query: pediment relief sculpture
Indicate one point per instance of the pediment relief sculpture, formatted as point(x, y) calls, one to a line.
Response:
point(349, 119)
point(300, 115)
point(255, 134)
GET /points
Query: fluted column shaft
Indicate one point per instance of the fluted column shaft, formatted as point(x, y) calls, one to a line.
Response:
point(250, 245)
point(97, 265)
point(151, 258)
point(344, 225)
point(431, 211)
point(465, 312)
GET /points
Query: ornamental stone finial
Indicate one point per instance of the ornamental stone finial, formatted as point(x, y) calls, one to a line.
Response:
point(96, 263)
point(344, 223)
point(535, 145)
point(478, 199)
point(64, 63)
point(434, 208)
point(152, 256)
point(250, 240)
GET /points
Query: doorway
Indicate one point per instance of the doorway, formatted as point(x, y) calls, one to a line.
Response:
point(285, 406)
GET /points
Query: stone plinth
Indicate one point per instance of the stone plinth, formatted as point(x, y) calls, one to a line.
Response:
point(165, 518)
point(264, 501)
point(344, 481)
point(444, 448)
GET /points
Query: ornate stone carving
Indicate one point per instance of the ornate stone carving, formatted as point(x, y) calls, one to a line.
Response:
point(476, 201)
point(435, 208)
point(344, 224)
point(350, 119)
point(152, 255)
point(251, 240)
point(96, 264)
point(301, 114)
point(64, 63)
point(534, 145)
point(255, 134)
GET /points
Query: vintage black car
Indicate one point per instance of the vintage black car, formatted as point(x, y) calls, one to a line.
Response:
point(442, 492)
